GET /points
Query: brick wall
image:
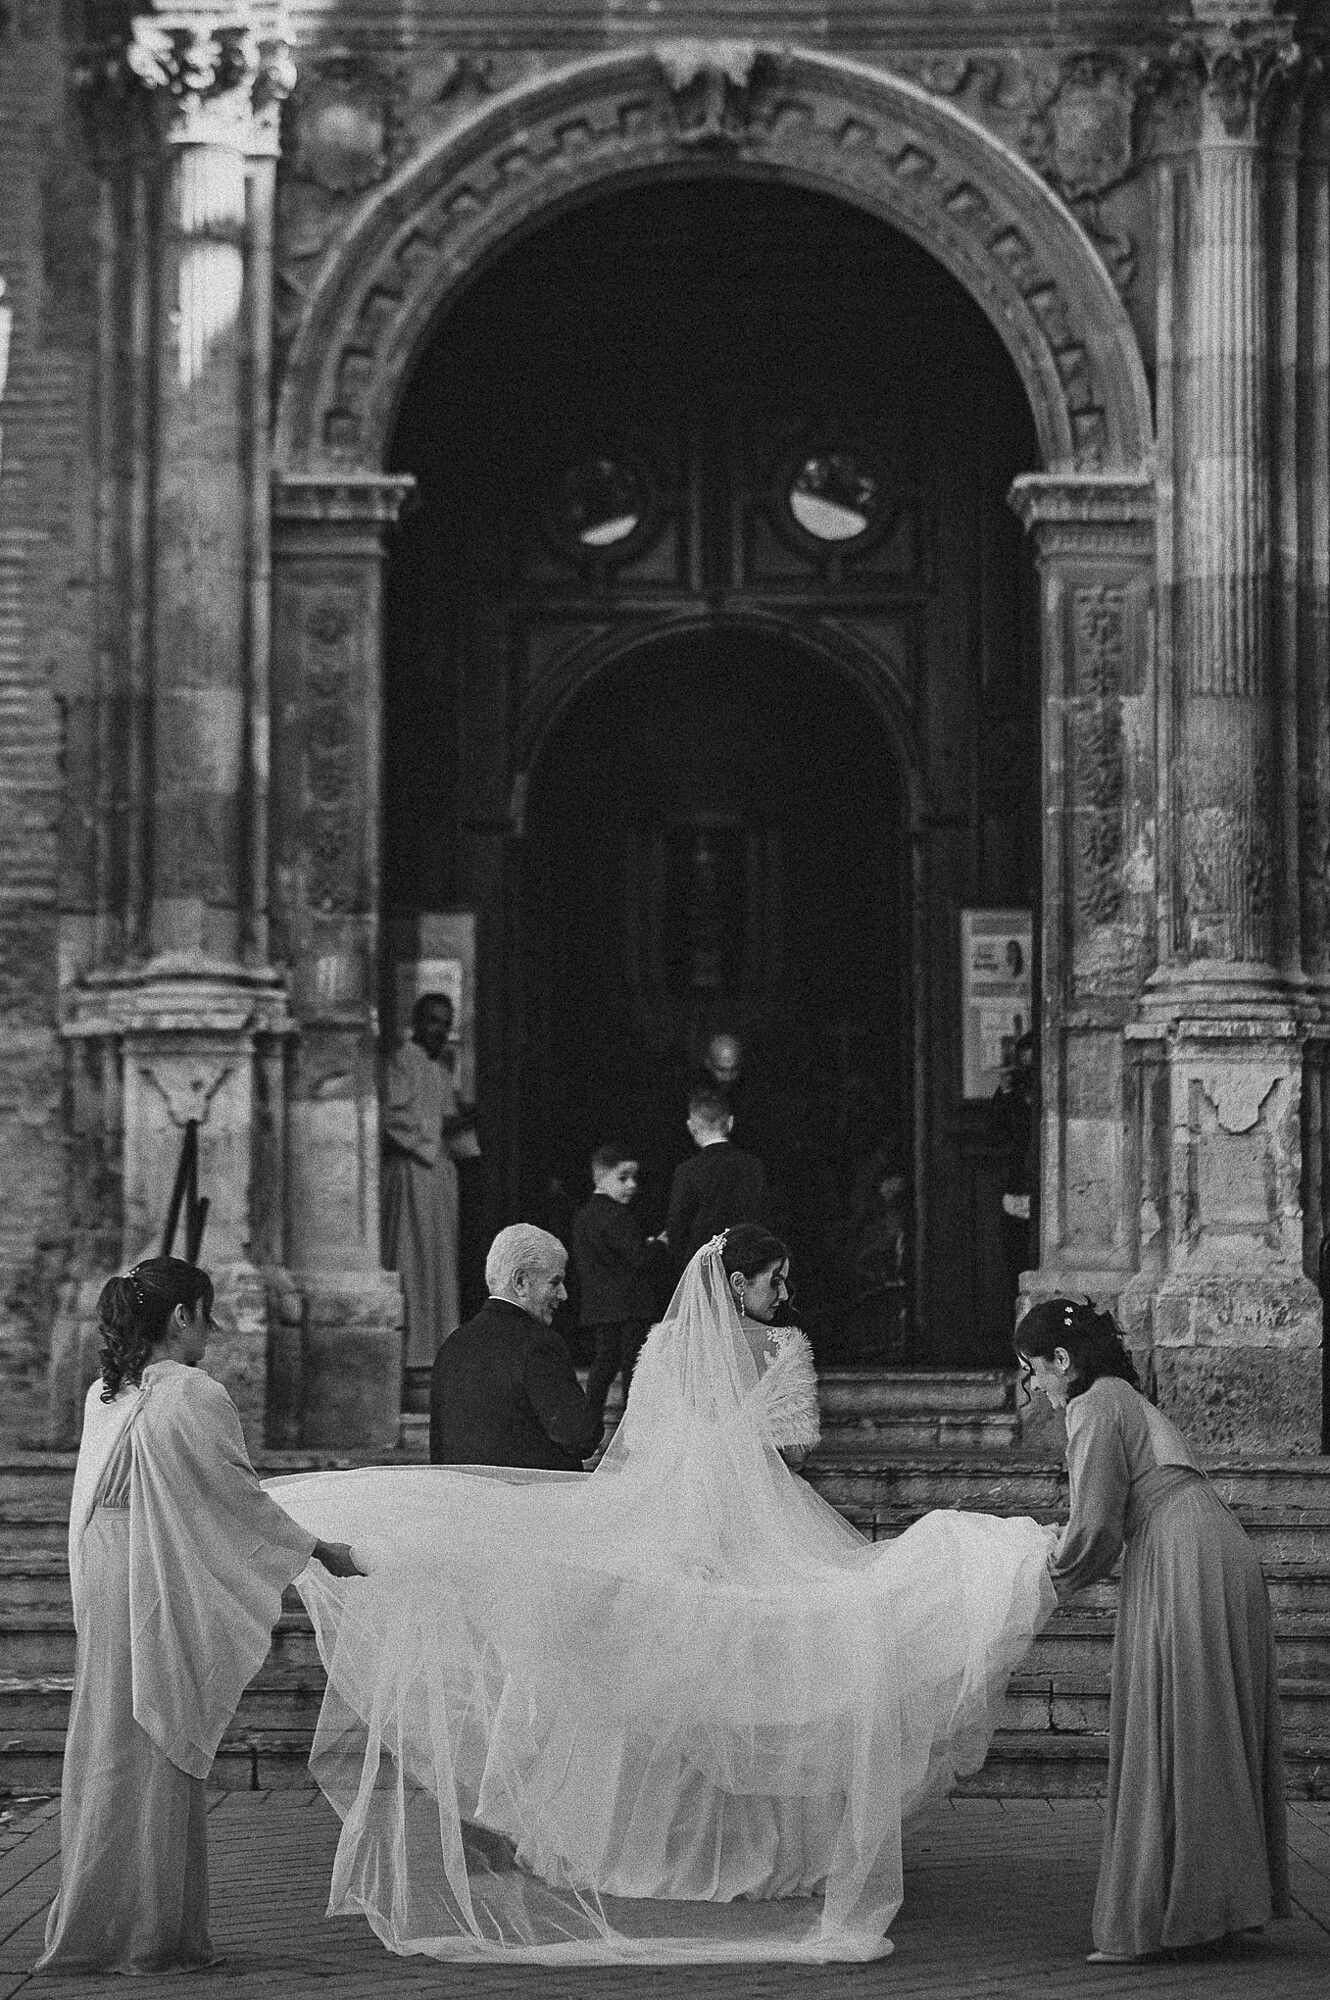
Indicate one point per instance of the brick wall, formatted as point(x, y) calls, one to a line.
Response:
point(44, 565)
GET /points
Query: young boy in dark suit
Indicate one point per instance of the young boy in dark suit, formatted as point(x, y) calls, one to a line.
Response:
point(613, 1264)
point(719, 1186)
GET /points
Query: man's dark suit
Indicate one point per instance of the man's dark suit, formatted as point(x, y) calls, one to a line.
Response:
point(719, 1186)
point(503, 1392)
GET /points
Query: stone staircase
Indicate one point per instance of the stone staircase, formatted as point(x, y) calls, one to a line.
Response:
point(894, 1447)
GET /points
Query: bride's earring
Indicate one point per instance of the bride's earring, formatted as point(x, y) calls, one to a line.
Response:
point(741, 1290)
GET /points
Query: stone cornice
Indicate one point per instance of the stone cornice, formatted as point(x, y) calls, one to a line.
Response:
point(178, 995)
point(1050, 499)
point(359, 499)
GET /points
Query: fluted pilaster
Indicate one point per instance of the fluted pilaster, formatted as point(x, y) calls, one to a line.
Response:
point(1231, 850)
point(214, 85)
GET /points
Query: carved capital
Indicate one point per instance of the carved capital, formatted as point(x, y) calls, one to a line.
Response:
point(1220, 76)
point(190, 76)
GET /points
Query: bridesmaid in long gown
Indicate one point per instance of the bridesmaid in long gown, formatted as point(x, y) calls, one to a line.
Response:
point(1195, 1842)
point(178, 1561)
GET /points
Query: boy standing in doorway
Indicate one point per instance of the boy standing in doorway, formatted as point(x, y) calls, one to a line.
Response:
point(613, 1270)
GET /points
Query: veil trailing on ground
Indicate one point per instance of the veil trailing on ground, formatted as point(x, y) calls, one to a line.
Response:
point(671, 1710)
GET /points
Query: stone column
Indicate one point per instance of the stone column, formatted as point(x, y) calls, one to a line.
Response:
point(1225, 1025)
point(212, 83)
point(194, 1032)
point(1094, 543)
point(342, 1373)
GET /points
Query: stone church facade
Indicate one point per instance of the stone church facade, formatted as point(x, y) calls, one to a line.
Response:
point(227, 230)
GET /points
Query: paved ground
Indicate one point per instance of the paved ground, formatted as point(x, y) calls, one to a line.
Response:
point(997, 1903)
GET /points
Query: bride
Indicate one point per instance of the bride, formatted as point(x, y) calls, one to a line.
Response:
point(671, 1710)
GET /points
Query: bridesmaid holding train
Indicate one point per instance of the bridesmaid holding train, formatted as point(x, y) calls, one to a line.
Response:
point(1195, 1841)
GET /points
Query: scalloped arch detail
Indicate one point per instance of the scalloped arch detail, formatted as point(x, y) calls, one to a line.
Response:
point(854, 132)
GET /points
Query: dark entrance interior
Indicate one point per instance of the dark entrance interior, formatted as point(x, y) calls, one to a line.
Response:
point(711, 688)
point(715, 842)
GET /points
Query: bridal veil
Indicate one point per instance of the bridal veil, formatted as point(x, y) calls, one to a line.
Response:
point(670, 1710)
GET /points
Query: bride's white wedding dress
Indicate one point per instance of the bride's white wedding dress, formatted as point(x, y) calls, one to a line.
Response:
point(670, 1710)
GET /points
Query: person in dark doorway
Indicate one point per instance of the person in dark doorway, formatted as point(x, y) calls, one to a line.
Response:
point(504, 1391)
point(425, 1129)
point(613, 1264)
point(1013, 1125)
point(719, 1186)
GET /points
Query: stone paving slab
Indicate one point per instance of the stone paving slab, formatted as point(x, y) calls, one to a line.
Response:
point(997, 1907)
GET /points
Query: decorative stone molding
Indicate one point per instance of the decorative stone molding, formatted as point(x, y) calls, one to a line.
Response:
point(711, 87)
point(346, 499)
point(872, 138)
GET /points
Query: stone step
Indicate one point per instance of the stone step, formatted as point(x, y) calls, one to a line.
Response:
point(1037, 1764)
point(1033, 1763)
point(849, 1395)
point(38, 1643)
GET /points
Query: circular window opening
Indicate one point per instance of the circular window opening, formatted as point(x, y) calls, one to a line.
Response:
point(836, 496)
point(600, 502)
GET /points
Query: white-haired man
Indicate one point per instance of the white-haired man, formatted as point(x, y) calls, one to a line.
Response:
point(503, 1390)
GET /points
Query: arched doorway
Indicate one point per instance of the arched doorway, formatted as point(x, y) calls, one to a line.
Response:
point(677, 416)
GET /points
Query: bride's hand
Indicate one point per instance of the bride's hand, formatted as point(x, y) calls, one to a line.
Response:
point(337, 1559)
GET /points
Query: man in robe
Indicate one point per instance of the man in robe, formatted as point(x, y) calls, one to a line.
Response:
point(504, 1391)
point(424, 1130)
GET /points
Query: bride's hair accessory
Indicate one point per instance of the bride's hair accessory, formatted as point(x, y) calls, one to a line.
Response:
point(716, 1245)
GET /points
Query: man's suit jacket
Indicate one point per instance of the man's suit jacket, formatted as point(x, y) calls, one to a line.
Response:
point(719, 1186)
point(612, 1263)
point(503, 1392)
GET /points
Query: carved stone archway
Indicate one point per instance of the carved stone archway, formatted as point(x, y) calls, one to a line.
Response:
point(924, 167)
point(869, 138)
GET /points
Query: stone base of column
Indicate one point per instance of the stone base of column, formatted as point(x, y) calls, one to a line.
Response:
point(335, 1374)
point(1235, 1358)
point(238, 1352)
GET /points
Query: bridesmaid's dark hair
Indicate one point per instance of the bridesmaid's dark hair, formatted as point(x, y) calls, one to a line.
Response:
point(750, 1249)
point(1092, 1339)
point(133, 1311)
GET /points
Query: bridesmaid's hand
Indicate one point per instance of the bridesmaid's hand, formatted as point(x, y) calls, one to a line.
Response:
point(337, 1559)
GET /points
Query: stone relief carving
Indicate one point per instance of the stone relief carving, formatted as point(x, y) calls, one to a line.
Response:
point(710, 85)
point(1239, 1094)
point(328, 756)
point(1227, 882)
point(339, 125)
point(187, 1098)
point(1099, 638)
point(1074, 118)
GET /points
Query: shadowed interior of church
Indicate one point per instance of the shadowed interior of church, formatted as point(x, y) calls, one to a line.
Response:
point(709, 685)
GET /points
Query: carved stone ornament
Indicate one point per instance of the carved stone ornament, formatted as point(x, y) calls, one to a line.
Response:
point(341, 127)
point(218, 67)
point(187, 1095)
point(710, 85)
point(1081, 139)
point(1238, 1094)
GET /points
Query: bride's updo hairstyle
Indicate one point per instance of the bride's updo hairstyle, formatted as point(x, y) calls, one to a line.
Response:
point(750, 1249)
point(1092, 1339)
point(134, 1311)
